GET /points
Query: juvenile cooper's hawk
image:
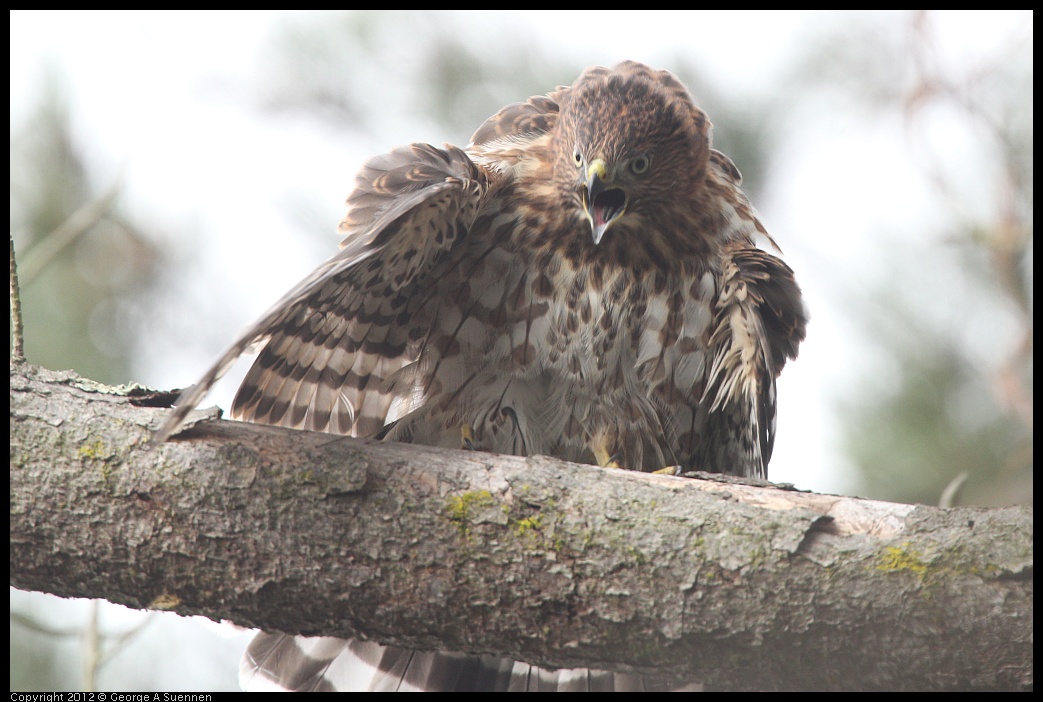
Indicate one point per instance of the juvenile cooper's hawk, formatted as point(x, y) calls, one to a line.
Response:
point(580, 281)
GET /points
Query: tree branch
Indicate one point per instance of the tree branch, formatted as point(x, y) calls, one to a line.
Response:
point(738, 585)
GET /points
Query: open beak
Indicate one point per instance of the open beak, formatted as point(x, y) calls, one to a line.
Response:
point(603, 203)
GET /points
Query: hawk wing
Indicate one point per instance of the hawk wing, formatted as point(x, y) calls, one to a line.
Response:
point(331, 341)
point(521, 120)
point(759, 322)
point(511, 136)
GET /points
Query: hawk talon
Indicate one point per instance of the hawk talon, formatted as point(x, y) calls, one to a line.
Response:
point(606, 459)
point(467, 438)
point(669, 470)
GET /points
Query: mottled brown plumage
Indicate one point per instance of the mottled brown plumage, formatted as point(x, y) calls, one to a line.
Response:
point(581, 281)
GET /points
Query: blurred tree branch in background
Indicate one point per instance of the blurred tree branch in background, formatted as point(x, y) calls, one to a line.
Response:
point(949, 320)
point(82, 260)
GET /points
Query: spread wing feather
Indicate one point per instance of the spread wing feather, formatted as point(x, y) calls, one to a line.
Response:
point(330, 339)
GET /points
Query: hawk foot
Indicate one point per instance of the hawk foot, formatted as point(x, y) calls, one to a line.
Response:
point(606, 459)
point(467, 438)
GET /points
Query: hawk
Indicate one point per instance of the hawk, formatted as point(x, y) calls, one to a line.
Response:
point(581, 281)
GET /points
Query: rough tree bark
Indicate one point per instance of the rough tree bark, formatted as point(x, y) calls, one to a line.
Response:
point(740, 585)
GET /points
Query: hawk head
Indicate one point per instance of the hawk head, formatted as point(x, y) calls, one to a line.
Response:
point(631, 146)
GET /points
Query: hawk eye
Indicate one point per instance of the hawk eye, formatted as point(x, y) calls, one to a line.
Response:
point(577, 158)
point(640, 164)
